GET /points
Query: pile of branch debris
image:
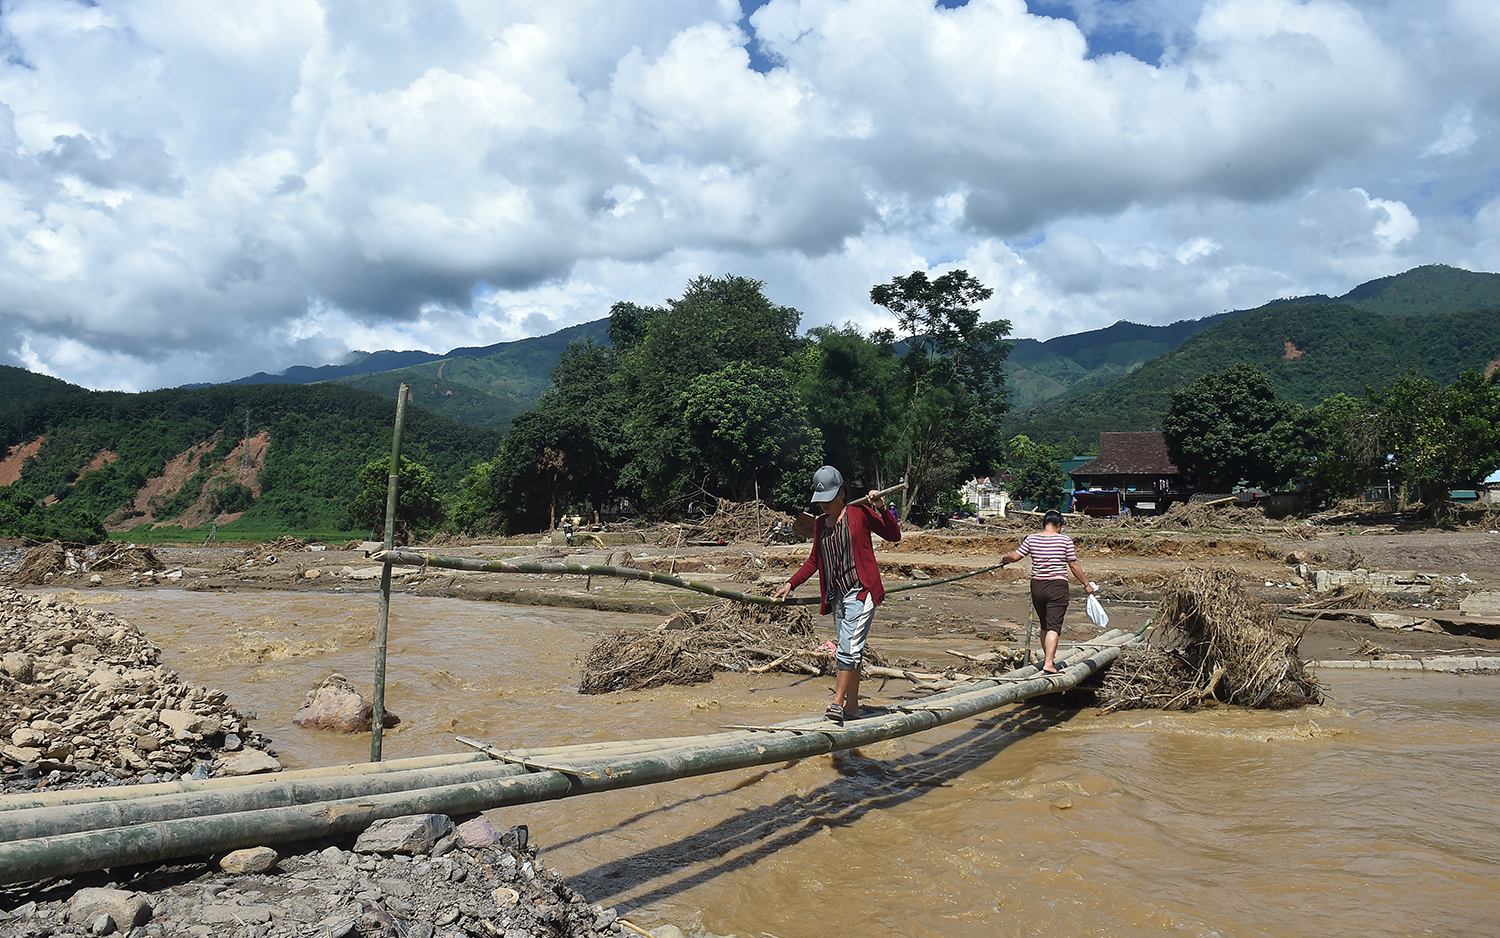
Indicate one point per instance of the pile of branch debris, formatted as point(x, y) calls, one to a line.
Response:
point(751, 521)
point(45, 562)
point(1212, 642)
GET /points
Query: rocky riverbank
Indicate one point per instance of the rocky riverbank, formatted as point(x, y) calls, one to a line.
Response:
point(85, 701)
point(415, 877)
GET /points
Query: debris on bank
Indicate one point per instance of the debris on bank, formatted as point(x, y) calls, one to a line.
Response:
point(1212, 642)
point(731, 522)
point(86, 702)
point(414, 877)
point(47, 562)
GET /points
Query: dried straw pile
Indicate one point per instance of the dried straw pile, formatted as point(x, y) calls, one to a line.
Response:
point(53, 559)
point(1214, 643)
point(691, 646)
point(40, 562)
point(731, 521)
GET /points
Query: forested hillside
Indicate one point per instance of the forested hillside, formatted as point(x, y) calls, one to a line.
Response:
point(1041, 371)
point(99, 451)
point(1310, 352)
point(1434, 288)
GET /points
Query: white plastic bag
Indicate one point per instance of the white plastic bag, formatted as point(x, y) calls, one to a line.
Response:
point(1096, 612)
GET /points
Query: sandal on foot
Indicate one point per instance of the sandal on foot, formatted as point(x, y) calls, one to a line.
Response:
point(834, 713)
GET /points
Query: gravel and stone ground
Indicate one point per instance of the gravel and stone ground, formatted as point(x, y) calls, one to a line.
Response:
point(419, 877)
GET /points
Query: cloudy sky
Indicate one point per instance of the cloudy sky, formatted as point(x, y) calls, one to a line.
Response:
point(196, 191)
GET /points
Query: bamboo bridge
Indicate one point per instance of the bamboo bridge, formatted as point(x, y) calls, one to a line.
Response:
point(63, 833)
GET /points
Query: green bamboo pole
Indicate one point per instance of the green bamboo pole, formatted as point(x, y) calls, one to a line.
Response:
point(47, 799)
point(149, 841)
point(409, 558)
point(272, 792)
point(377, 713)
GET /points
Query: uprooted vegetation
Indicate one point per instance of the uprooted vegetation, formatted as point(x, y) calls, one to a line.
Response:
point(1212, 642)
point(45, 562)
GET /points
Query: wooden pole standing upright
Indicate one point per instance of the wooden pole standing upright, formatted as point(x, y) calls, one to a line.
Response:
point(377, 715)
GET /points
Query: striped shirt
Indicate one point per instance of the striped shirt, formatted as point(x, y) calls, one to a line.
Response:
point(836, 555)
point(1050, 554)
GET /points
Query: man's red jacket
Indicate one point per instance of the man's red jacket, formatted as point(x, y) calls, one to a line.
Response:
point(863, 519)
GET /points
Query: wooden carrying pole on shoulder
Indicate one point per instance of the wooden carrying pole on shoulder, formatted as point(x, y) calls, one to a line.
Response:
point(802, 525)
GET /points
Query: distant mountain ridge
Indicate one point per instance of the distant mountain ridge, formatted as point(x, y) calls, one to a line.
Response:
point(1310, 351)
point(487, 386)
point(483, 386)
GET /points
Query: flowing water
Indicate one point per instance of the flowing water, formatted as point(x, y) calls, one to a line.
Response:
point(1374, 815)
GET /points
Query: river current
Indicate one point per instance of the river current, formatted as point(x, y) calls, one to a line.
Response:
point(1373, 815)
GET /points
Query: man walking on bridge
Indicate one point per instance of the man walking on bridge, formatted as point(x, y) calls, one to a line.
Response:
point(848, 578)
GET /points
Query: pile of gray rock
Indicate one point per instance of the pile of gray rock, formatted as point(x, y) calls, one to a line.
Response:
point(417, 877)
point(85, 701)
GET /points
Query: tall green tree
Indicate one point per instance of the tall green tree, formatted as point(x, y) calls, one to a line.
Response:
point(571, 446)
point(751, 432)
point(1228, 427)
point(677, 357)
point(1438, 438)
point(854, 396)
point(955, 395)
point(1036, 472)
point(418, 506)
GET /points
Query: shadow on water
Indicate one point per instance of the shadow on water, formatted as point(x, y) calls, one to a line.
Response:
point(865, 786)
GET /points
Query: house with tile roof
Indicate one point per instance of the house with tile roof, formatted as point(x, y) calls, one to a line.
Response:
point(1136, 468)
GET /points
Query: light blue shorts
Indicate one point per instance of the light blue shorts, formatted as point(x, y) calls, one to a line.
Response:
point(851, 621)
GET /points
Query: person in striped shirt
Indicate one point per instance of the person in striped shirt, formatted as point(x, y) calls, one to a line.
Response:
point(1052, 557)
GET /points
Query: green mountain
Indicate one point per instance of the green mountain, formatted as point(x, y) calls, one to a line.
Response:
point(1070, 365)
point(1310, 351)
point(482, 386)
point(1041, 371)
point(1434, 288)
point(178, 455)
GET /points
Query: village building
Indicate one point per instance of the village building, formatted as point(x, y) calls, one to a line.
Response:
point(1133, 473)
point(988, 496)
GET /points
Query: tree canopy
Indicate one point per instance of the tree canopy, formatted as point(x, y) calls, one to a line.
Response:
point(953, 395)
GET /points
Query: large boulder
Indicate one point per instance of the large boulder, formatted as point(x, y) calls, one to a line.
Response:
point(414, 834)
point(336, 705)
point(127, 909)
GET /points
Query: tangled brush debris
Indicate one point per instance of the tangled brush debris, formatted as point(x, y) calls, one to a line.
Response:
point(731, 521)
point(689, 647)
point(1214, 642)
point(48, 561)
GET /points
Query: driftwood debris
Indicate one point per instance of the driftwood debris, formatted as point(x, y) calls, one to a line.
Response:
point(1213, 642)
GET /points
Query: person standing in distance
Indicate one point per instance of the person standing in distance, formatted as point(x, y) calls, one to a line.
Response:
point(1052, 556)
point(848, 578)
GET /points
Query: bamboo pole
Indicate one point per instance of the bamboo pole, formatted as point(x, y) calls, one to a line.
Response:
point(270, 793)
point(45, 799)
point(83, 851)
point(409, 558)
point(377, 713)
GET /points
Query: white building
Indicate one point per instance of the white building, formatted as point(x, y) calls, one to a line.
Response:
point(990, 497)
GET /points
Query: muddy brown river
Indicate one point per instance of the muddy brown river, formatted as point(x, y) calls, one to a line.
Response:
point(1374, 815)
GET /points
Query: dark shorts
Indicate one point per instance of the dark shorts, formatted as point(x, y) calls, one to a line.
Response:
point(1050, 599)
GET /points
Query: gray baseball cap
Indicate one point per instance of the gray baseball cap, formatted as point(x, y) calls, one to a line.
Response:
point(826, 484)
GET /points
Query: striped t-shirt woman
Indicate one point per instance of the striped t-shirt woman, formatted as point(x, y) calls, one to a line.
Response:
point(1050, 554)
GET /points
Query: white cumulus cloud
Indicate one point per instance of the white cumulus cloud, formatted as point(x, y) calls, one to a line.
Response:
point(194, 192)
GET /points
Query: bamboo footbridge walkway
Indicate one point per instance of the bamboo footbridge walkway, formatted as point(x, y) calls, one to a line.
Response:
point(45, 835)
point(54, 834)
